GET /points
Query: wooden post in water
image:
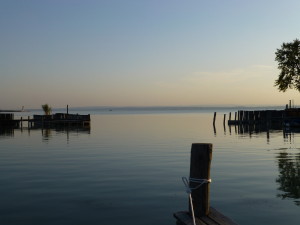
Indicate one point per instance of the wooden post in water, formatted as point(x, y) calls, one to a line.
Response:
point(235, 116)
point(224, 119)
point(230, 116)
point(215, 114)
point(21, 122)
point(201, 155)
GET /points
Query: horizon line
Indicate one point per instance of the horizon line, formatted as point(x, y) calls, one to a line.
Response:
point(170, 106)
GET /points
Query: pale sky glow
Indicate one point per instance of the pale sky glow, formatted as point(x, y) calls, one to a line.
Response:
point(143, 53)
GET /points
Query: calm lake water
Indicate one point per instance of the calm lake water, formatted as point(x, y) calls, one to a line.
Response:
point(127, 168)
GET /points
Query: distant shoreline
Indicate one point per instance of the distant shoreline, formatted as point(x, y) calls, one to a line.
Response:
point(7, 110)
point(150, 109)
point(169, 107)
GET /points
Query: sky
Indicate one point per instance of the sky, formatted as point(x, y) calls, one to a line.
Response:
point(143, 52)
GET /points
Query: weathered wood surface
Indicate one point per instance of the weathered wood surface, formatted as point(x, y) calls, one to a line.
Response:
point(201, 155)
point(213, 218)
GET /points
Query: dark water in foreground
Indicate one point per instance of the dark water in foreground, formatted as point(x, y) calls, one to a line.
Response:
point(127, 168)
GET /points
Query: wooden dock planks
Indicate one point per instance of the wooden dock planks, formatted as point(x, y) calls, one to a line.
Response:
point(213, 218)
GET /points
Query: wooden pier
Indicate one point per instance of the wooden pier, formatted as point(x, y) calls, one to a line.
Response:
point(287, 117)
point(259, 116)
point(7, 119)
point(200, 212)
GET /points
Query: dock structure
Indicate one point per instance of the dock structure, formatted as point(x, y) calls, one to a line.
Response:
point(198, 188)
point(7, 119)
point(259, 117)
point(289, 116)
point(62, 119)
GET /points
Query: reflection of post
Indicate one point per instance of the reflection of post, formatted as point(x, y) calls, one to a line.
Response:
point(46, 134)
point(224, 123)
point(201, 155)
point(215, 131)
point(241, 129)
point(42, 123)
point(29, 125)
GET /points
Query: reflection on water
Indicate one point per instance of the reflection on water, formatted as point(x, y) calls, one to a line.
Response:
point(289, 176)
point(254, 129)
point(47, 132)
point(128, 170)
point(288, 163)
point(6, 131)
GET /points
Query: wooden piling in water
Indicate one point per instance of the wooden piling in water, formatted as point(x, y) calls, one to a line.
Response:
point(224, 119)
point(201, 156)
point(214, 121)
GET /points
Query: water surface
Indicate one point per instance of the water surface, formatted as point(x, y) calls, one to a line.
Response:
point(127, 168)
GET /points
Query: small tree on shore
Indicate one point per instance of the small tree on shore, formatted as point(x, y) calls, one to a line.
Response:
point(288, 58)
point(47, 109)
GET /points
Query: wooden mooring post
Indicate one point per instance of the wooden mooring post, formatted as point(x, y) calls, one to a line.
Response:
point(215, 114)
point(201, 156)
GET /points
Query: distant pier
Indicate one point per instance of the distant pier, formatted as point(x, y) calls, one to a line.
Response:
point(259, 117)
point(286, 117)
point(7, 119)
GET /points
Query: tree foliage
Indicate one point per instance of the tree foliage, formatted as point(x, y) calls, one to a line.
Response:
point(47, 109)
point(288, 58)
